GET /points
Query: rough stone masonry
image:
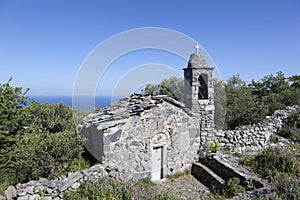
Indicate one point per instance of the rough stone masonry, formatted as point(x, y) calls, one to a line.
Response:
point(125, 134)
point(54, 189)
point(153, 136)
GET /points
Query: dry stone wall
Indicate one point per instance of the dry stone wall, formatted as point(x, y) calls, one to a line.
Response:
point(257, 135)
point(54, 189)
point(127, 146)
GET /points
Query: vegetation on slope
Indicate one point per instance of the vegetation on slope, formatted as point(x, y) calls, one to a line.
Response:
point(41, 140)
point(281, 165)
point(108, 188)
point(36, 140)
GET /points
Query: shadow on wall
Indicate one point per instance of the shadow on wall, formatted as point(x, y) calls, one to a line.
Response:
point(94, 142)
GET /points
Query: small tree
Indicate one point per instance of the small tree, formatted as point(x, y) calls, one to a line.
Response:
point(13, 118)
point(276, 91)
point(241, 104)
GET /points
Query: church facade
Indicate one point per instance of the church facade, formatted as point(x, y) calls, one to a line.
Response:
point(155, 136)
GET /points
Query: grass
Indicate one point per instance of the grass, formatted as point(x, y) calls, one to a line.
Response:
point(4, 186)
point(177, 175)
point(108, 188)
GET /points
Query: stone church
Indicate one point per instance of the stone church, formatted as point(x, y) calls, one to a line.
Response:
point(155, 136)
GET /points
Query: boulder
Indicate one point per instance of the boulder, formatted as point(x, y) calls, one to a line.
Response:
point(10, 193)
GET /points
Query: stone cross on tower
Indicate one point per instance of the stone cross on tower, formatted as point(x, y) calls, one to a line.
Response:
point(197, 46)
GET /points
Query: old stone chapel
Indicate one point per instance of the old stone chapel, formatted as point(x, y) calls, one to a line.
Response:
point(155, 136)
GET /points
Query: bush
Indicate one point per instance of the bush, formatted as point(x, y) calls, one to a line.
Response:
point(291, 129)
point(51, 118)
point(3, 186)
point(217, 146)
point(234, 187)
point(288, 188)
point(272, 162)
point(281, 167)
point(36, 140)
point(45, 155)
point(285, 132)
point(212, 147)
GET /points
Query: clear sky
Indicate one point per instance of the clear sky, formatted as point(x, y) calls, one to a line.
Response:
point(44, 42)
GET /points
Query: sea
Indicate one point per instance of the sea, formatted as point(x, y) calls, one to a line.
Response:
point(100, 101)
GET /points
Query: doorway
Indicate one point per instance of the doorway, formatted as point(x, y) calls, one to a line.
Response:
point(157, 163)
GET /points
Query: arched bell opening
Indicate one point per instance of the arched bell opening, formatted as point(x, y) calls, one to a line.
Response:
point(203, 87)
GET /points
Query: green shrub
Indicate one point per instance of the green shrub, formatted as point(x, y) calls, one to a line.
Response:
point(212, 147)
point(288, 188)
point(76, 164)
point(273, 161)
point(173, 87)
point(45, 155)
point(36, 140)
point(217, 146)
point(281, 167)
point(227, 150)
point(209, 147)
point(51, 118)
point(4, 185)
point(291, 129)
point(285, 132)
point(234, 187)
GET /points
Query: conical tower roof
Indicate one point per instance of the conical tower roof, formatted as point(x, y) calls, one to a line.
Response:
point(197, 60)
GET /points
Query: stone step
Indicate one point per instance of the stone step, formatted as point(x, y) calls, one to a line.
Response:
point(215, 171)
point(219, 168)
point(227, 170)
point(207, 177)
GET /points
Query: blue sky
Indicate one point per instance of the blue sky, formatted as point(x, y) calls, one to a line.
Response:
point(44, 43)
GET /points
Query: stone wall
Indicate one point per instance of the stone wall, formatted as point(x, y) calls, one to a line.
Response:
point(257, 135)
point(54, 189)
point(128, 145)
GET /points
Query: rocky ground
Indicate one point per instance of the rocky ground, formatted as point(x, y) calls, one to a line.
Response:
point(183, 187)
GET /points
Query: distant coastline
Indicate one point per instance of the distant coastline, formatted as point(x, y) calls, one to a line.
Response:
point(100, 101)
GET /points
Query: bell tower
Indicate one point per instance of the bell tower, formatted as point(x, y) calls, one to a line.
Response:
point(199, 89)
